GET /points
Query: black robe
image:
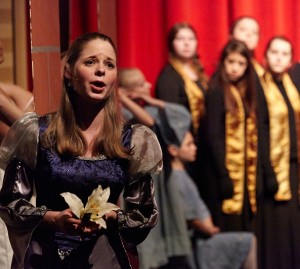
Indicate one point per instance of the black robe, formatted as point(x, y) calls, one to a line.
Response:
point(170, 87)
point(279, 221)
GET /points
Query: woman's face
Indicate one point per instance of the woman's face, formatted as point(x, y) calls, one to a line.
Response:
point(95, 72)
point(235, 66)
point(247, 31)
point(279, 56)
point(185, 44)
point(188, 150)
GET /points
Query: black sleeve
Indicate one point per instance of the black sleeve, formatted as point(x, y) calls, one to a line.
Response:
point(294, 72)
point(170, 87)
point(215, 113)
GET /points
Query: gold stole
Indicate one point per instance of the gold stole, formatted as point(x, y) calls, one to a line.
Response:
point(241, 156)
point(194, 94)
point(279, 130)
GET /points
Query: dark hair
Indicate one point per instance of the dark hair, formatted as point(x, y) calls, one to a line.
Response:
point(63, 132)
point(279, 37)
point(245, 83)
point(196, 60)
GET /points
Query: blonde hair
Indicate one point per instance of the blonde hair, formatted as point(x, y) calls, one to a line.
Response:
point(127, 77)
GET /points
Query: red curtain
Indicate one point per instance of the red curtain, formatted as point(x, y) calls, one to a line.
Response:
point(142, 26)
point(83, 17)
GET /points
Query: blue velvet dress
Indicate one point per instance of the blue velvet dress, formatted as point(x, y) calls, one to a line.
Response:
point(52, 175)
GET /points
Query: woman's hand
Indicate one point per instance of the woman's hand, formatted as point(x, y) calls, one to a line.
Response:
point(65, 221)
point(112, 215)
point(214, 230)
point(62, 221)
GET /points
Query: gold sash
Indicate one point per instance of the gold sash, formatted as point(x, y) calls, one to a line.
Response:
point(241, 156)
point(279, 130)
point(194, 94)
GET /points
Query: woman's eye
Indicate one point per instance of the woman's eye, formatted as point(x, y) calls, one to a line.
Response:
point(89, 62)
point(110, 65)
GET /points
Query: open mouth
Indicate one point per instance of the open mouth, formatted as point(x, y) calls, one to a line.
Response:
point(98, 84)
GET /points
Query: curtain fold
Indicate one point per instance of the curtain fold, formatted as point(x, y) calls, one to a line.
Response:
point(83, 17)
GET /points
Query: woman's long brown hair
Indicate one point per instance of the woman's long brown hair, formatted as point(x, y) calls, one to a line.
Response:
point(245, 84)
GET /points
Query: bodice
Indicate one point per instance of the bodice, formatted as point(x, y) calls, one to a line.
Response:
point(55, 175)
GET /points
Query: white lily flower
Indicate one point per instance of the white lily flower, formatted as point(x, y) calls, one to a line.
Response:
point(96, 206)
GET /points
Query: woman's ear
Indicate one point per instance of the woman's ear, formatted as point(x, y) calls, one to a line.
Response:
point(67, 72)
point(173, 150)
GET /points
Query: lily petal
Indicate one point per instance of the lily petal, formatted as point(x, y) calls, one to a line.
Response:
point(107, 207)
point(105, 195)
point(93, 199)
point(74, 203)
point(101, 222)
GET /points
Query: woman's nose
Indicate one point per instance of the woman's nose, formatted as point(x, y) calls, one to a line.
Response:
point(234, 68)
point(100, 70)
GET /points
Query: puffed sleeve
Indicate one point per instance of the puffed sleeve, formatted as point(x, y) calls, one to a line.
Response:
point(17, 197)
point(21, 141)
point(140, 213)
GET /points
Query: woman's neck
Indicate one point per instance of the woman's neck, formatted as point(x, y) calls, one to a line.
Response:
point(89, 115)
point(277, 77)
point(89, 118)
point(185, 62)
point(177, 164)
point(190, 71)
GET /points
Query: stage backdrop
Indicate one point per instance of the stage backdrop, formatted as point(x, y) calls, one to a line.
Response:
point(142, 27)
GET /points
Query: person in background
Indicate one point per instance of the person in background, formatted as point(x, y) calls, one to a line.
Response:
point(211, 247)
point(67, 157)
point(14, 102)
point(134, 95)
point(247, 30)
point(183, 81)
point(139, 106)
point(280, 209)
point(231, 136)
